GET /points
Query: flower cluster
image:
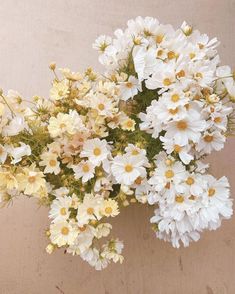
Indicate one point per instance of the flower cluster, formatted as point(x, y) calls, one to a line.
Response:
point(137, 133)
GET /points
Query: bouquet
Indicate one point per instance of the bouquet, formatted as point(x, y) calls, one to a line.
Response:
point(138, 132)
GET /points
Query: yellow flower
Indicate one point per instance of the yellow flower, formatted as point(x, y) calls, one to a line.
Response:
point(59, 90)
point(31, 180)
point(8, 180)
point(110, 208)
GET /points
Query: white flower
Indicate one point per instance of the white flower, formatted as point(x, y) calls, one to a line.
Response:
point(103, 230)
point(112, 251)
point(15, 126)
point(59, 211)
point(63, 233)
point(89, 209)
point(126, 169)
point(18, 152)
point(59, 90)
point(130, 88)
point(211, 141)
point(84, 170)
point(65, 123)
point(110, 208)
point(95, 150)
point(83, 241)
point(189, 128)
point(51, 163)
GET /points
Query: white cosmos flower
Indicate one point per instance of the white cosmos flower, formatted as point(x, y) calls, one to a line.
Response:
point(51, 163)
point(211, 141)
point(63, 233)
point(59, 211)
point(85, 170)
point(183, 151)
point(18, 152)
point(95, 150)
point(126, 169)
point(89, 209)
point(130, 88)
point(103, 230)
point(15, 126)
point(83, 241)
point(186, 129)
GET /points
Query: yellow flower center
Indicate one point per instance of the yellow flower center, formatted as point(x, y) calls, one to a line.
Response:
point(129, 85)
point(192, 197)
point(160, 52)
point(138, 181)
point(128, 168)
point(180, 74)
point(192, 55)
point(217, 120)
point(85, 168)
point(189, 181)
point(211, 192)
point(175, 98)
point(97, 151)
point(159, 38)
point(135, 152)
point(52, 162)
point(90, 210)
point(62, 125)
point(31, 179)
point(173, 111)
point(179, 199)
point(208, 138)
point(182, 125)
point(177, 148)
point(60, 93)
point(108, 210)
point(166, 82)
point(63, 211)
point(199, 75)
point(171, 55)
point(129, 123)
point(169, 173)
point(101, 106)
point(64, 231)
point(201, 46)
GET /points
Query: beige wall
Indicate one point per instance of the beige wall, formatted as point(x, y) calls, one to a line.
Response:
point(33, 33)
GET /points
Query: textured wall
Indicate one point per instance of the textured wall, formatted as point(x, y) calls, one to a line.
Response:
point(32, 34)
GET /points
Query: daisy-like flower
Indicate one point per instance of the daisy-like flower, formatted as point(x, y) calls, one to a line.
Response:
point(65, 123)
point(89, 209)
point(128, 124)
point(59, 211)
point(63, 233)
point(211, 141)
point(83, 241)
point(110, 208)
point(49, 160)
point(126, 169)
point(130, 88)
point(18, 152)
point(85, 170)
point(8, 180)
point(186, 129)
point(103, 230)
point(102, 104)
point(31, 180)
point(59, 90)
point(112, 250)
point(95, 150)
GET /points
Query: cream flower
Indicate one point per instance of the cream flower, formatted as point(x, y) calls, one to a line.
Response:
point(65, 123)
point(126, 169)
point(31, 180)
point(63, 233)
point(59, 211)
point(89, 209)
point(130, 88)
point(95, 150)
point(59, 90)
point(110, 208)
point(84, 170)
point(51, 163)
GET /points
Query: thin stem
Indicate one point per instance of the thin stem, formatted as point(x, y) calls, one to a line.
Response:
point(8, 105)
